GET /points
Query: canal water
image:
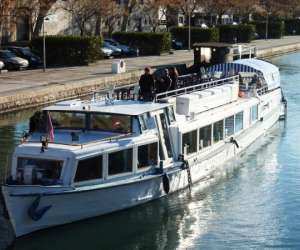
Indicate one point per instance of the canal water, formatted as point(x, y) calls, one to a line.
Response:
point(254, 206)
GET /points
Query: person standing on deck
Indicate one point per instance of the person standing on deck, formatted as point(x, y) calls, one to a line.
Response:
point(146, 84)
point(174, 78)
point(164, 83)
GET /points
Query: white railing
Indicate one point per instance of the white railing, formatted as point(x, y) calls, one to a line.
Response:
point(197, 87)
point(241, 50)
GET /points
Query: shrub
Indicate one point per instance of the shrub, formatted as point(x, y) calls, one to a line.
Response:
point(198, 35)
point(275, 29)
point(292, 27)
point(148, 43)
point(69, 50)
point(243, 33)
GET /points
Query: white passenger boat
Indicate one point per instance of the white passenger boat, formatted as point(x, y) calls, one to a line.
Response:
point(86, 158)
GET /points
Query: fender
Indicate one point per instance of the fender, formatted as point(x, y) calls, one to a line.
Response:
point(166, 183)
point(34, 212)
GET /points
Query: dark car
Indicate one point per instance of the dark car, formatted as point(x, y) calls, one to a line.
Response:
point(177, 45)
point(126, 50)
point(11, 61)
point(26, 53)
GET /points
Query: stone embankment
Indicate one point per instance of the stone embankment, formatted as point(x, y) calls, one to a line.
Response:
point(21, 90)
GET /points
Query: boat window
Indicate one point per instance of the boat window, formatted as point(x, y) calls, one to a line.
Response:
point(164, 125)
point(189, 141)
point(254, 113)
point(229, 126)
point(171, 114)
point(67, 120)
point(147, 155)
point(239, 121)
point(205, 137)
point(32, 171)
point(111, 122)
point(218, 131)
point(120, 162)
point(89, 169)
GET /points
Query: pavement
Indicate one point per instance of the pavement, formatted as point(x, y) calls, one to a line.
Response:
point(16, 82)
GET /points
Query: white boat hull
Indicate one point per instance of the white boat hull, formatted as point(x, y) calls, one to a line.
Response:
point(72, 205)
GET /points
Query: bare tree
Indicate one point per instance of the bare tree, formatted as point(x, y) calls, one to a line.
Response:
point(5, 6)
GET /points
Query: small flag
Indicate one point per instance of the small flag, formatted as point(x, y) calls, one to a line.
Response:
point(50, 128)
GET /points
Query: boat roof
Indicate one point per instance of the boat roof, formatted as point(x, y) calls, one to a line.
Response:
point(121, 107)
point(269, 71)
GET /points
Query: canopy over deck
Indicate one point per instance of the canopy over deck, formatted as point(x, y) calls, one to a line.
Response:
point(267, 70)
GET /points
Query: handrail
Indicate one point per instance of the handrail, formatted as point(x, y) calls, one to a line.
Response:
point(116, 137)
point(197, 87)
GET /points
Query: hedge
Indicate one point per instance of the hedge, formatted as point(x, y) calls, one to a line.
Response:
point(148, 43)
point(243, 33)
point(69, 50)
point(292, 26)
point(198, 35)
point(275, 29)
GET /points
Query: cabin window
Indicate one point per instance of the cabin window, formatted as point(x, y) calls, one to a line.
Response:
point(189, 141)
point(171, 114)
point(32, 171)
point(111, 123)
point(254, 113)
point(205, 137)
point(164, 125)
point(89, 169)
point(218, 131)
point(147, 155)
point(120, 162)
point(239, 121)
point(229, 126)
point(67, 120)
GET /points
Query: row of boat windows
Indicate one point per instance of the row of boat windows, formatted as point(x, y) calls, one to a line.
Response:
point(119, 162)
point(216, 132)
point(94, 121)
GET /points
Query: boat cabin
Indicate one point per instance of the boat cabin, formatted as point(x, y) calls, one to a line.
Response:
point(92, 142)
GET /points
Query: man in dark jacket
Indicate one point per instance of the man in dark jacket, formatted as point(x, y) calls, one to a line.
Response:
point(146, 85)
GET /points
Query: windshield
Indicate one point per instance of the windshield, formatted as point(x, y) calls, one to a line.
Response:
point(112, 123)
point(26, 51)
point(32, 171)
point(6, 54)
point(68, 120)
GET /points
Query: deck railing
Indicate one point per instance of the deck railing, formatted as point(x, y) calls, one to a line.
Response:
point(197, 87)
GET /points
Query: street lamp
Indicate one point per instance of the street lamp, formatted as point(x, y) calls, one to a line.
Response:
point(189, 16)
point(267, 25)
point(44, 44)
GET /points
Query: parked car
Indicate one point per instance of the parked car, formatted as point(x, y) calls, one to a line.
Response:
point(12, 61)
point(1, 65)
point(26, 53)
point(116, 51)
point(126, 50)
point(107, 52)
point(176, 44)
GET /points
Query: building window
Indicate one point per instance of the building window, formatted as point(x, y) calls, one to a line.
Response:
point(89, 169)
point(239, 121)
point(218, 131)
point(254, 113)
point(120, 162)
point(205, 137)
point(189, 140)
point(229, 126)
point(147, 155)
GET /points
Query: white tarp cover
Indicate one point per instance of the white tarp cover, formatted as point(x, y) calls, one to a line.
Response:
point(268, 70)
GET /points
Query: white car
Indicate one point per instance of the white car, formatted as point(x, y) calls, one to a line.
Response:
point(1, 65)
point(12, 62)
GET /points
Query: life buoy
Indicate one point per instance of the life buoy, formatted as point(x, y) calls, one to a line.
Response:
point(166, 183)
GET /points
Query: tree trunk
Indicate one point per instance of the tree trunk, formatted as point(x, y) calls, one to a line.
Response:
point(98, 26)
point(124, 23)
